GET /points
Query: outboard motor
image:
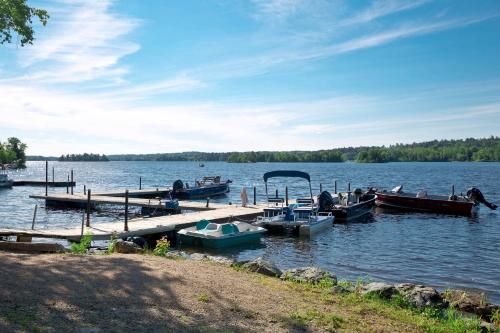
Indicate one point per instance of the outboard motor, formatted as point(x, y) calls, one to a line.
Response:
point(325, 201)
point(474, 194)
point(177, 186)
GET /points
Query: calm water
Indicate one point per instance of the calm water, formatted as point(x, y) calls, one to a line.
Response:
point(437, 250)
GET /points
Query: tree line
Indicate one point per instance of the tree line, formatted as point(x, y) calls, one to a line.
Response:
point(83, 158)
point(12, 153)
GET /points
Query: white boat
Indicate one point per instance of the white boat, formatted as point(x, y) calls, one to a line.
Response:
point(302, 217)
point(212, 235)
point(5, 181)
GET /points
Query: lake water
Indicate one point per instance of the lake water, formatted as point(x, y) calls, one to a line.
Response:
point(437, 250)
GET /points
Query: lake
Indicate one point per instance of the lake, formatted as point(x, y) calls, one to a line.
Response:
point(436, 250)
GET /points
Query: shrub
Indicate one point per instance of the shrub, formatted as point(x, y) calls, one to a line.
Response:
point(162, 246)
point(84, 244)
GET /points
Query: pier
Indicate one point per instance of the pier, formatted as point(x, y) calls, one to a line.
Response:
point(44, 183)
point(143, 226)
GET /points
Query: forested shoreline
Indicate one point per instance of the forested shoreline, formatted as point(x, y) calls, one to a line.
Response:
point(83, 158)
point(468, 150)
point(12, 153)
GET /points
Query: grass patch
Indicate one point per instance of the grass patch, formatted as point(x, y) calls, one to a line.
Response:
point(112, 243)
point(204, 298)
point(328, 321)
point(83, 246)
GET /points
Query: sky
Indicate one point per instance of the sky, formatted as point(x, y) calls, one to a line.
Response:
point(157, 76)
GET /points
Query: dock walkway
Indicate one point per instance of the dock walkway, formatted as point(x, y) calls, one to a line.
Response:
point(143, 226)
point(21, 182)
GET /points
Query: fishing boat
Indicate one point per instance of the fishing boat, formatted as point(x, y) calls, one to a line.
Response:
point(212, 235)
point(207, 187)
point(346, 206)
point(302, 217)
point(444, 204)
point(5, 181)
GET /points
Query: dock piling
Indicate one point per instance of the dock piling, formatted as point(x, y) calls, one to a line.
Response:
point(125, 227)
point(320, 187)
point(286, 195)
point(84, 189)
point(72, 178)
point(140, 183)
point(34, 218)
point(208, 201)
point(88, 208)
point(67, 186)
point(254, 195)
point(335, 186)
point(46, 178)
point(83, 222)
point(349, 187)
point(452, 189)
point(53, 175)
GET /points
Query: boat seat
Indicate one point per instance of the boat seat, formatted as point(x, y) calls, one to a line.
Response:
point(212, 226)
point(202, 224)
point(229, 228)
point(307, 201)
point(275, 200)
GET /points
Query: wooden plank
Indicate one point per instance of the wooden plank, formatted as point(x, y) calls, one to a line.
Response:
point(144, 226)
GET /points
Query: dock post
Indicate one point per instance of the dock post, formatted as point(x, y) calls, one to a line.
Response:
point(46, 178)
point(286, 195)
point(320, 187)
point(349, 187)
point(83, 222)
point(53, 175)
point(34, 218)
point(125, 227)
point(208, 201)
point(88, 209)
point(84, 189)
point(140, 183)
point(67, 186)
point(452, 189)
point(254, 195)
point(276, 193)
point(335, 186)
point(72, 181)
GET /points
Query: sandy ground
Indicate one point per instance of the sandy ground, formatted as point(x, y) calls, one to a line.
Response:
point(139, 293)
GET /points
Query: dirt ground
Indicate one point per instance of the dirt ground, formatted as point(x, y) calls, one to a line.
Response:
point(143, 293)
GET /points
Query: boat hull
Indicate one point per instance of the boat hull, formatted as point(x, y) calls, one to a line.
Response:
point(450, 207)
point(201, 192)
point(6, 184)
point(347, 213)
point(218, 243)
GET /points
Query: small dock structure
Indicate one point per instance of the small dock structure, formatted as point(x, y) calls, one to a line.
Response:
point(44, 183)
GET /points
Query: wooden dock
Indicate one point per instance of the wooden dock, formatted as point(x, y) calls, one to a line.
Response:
point(80, 201)
point(143, 226)
point(43, 183)
point(143, 193)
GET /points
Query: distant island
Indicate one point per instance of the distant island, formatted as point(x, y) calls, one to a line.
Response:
point(468, 150)
point(83, 158)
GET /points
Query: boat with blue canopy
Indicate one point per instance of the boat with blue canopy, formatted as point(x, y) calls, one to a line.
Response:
point(302, 217)
point(213, 235)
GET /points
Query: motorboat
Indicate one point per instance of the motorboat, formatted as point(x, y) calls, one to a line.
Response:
point(5, 181)
point(207, 187)
point(347, 206)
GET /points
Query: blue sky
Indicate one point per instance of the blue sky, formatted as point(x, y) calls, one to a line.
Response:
point(152, 76)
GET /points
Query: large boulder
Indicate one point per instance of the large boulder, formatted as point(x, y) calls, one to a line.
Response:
point(470, 302)
point(262, 266)
point(308, 275)
point(126, 247)
point(380, 289)
point(419, 295)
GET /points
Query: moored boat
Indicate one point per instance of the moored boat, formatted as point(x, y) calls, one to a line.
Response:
point(443, 204)
point(346, 206)
point(5, 181)
point(205, 188)
point(301, 217)
point(212, 235)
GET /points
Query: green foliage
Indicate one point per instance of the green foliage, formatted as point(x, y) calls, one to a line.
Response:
point(112, 242)
point(329, 321)
point(13, 152)
point(162, 246)
point(16, 17)
point(83, 158)
point(84, 244)
point(204, 298)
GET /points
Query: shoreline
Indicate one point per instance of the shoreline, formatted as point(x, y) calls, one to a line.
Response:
point(104, 293)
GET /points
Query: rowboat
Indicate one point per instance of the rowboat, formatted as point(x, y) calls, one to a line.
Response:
point(212, 235)
point(5, 181)
point(443, 204)
point(301, 217)
point(207, 187)
point(347, 206)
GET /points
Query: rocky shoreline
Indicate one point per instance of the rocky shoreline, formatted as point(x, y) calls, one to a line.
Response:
point(412, 295)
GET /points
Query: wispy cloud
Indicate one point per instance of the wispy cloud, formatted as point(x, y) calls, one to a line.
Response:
point(84, 41)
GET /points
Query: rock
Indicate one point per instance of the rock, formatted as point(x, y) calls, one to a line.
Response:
point(419, 295)
point(308, 275)
point(262, 266)
point(198, 256)
point(96, 250)
point(221, 260)
point(141, 241)
point(470, 302)
point(380, 289)
point(342, 290)
point(487, 327)
point(126, 247)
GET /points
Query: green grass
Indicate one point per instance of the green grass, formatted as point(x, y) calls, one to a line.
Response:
point(83, 246)
point(328, 321)
point(112, 242)
point(204, 298)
